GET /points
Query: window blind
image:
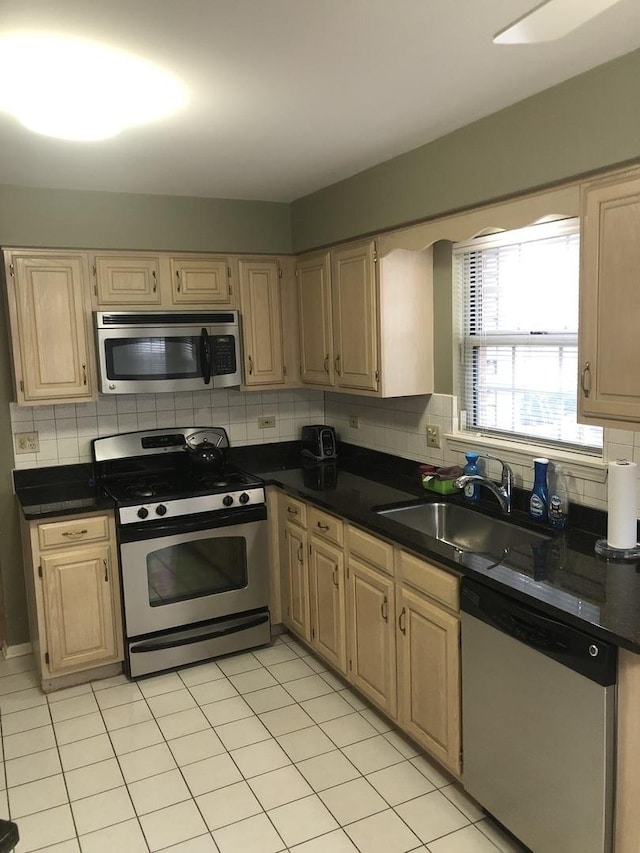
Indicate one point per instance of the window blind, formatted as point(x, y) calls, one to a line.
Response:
point(517, 318)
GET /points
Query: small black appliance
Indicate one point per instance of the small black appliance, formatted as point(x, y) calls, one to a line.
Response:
point(319, 442)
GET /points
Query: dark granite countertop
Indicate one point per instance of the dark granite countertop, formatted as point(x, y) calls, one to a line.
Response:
point(563, 578)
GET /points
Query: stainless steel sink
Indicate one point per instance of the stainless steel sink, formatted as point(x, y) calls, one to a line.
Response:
point(465, 529)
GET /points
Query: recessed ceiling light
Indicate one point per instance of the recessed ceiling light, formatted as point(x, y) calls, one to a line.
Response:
point(551, 20)
point(72, 88)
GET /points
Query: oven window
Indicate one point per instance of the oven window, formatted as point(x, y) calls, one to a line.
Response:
point(193, 569)
point(153, 358)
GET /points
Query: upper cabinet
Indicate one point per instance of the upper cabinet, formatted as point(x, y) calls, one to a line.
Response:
point(609, 346)
point(261, 308)
point(163, 281)
point(50, 317)
point(366, 322)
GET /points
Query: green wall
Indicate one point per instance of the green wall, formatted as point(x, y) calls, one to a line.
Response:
point(584, 124)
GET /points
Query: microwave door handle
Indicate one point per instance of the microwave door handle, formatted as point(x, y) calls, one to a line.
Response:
point(205, 356)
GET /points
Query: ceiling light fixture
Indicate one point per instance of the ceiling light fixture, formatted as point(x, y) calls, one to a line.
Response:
point(551, 20)
point(72, 88)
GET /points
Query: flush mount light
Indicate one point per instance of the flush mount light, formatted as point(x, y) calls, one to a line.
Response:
point(551, 20)
point(72, 88)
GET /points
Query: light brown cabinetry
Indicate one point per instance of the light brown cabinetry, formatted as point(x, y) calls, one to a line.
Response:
point(261, 308)
point(50, 316)
point(385, 618)
point(74, 594)
point(162, 281)
point(366, 323)
point(609, 391)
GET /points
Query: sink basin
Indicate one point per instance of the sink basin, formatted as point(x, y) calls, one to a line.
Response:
point(465, 529)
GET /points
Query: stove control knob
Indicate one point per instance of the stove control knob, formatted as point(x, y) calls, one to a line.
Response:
point(227, 500)
point(161, 509)
point(244, 498)
point(143, 512)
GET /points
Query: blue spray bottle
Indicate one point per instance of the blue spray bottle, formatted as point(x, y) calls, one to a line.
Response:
point(472, 490)
point(539, 499)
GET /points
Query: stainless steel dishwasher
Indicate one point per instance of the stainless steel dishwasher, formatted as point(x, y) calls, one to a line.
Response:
point(538, 705)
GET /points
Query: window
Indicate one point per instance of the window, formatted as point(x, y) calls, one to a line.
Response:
point(518, 335)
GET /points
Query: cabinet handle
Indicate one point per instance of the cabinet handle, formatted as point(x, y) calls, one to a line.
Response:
point(292, 511)
point(585, 379)
point(155, 280)
point(178, 277)
point(322, 526)
point(75, 532)
point(337, 363)
point(84, 374)
point(106, 570)
point(335, 578)
point(402, 620)
point(384, 609)
point(300, 553)
point(250, 359)
point(326, 363)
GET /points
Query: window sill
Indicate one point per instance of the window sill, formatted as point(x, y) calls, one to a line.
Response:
point(576, 464)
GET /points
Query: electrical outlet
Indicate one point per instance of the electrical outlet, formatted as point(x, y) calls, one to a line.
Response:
point(433, 435)
point(354, 422)
point(27, 442)
point(266, 423)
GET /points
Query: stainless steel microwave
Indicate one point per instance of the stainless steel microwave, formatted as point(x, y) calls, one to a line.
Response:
point(159, 351)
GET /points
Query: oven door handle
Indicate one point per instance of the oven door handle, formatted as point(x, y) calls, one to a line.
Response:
point(205, 356)
point(168, 642)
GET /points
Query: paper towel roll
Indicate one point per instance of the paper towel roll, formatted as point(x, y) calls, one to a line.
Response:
point(621, 498)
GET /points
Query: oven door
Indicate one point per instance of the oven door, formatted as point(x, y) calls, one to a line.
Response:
point(192, 570)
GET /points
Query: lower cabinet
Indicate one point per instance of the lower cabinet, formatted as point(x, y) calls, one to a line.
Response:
point(73, 591)
point(382, 616)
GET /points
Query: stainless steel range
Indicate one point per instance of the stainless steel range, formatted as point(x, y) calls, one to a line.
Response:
point(192, 535)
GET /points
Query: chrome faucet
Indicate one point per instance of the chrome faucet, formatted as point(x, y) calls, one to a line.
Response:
point(502, 491)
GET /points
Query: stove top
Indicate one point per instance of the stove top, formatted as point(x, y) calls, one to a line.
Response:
point(151, 475)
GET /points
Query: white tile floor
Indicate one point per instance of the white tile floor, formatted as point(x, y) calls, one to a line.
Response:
point(256, 753)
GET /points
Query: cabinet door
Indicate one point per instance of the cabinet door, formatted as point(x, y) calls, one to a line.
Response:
point(326, 577)
point(81, 608)
point(355, 313)
point(261, 322)
point(49, 308)
point(127, 280)
point(429, 676)
point(315, 320)
point(372, 646)
point(296, 605)
point(201, 281)
point(610, 302)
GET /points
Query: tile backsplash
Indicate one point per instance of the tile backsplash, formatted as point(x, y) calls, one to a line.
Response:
point(65, 431)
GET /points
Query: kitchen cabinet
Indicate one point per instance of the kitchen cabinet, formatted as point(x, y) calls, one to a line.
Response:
point(295, 572)
point(327, 588)
point(50, 321)
point(366, 322)
point(162, 281)
point(261, 308)
point(371, 618)
point(609, 391)
point(383, 617)
point(73, 591)
point(429, 658)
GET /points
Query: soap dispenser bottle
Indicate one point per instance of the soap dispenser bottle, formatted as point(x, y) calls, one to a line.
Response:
point(471, 490)
point(559, 500)
point(539, 498)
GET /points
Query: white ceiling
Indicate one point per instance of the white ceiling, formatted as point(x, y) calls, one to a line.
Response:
point(288, 96)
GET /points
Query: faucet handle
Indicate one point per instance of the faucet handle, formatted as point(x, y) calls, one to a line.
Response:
point(507, 472)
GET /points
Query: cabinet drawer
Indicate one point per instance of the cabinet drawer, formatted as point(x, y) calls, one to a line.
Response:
point(434, 582)
point(323, 524)
point(294, 510)
point(77, 530)
point(369, 548)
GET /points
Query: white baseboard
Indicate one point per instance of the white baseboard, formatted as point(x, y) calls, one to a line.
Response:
point(17, 651)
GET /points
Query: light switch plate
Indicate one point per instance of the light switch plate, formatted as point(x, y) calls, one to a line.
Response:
point(27, 442)
point(433, 435)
